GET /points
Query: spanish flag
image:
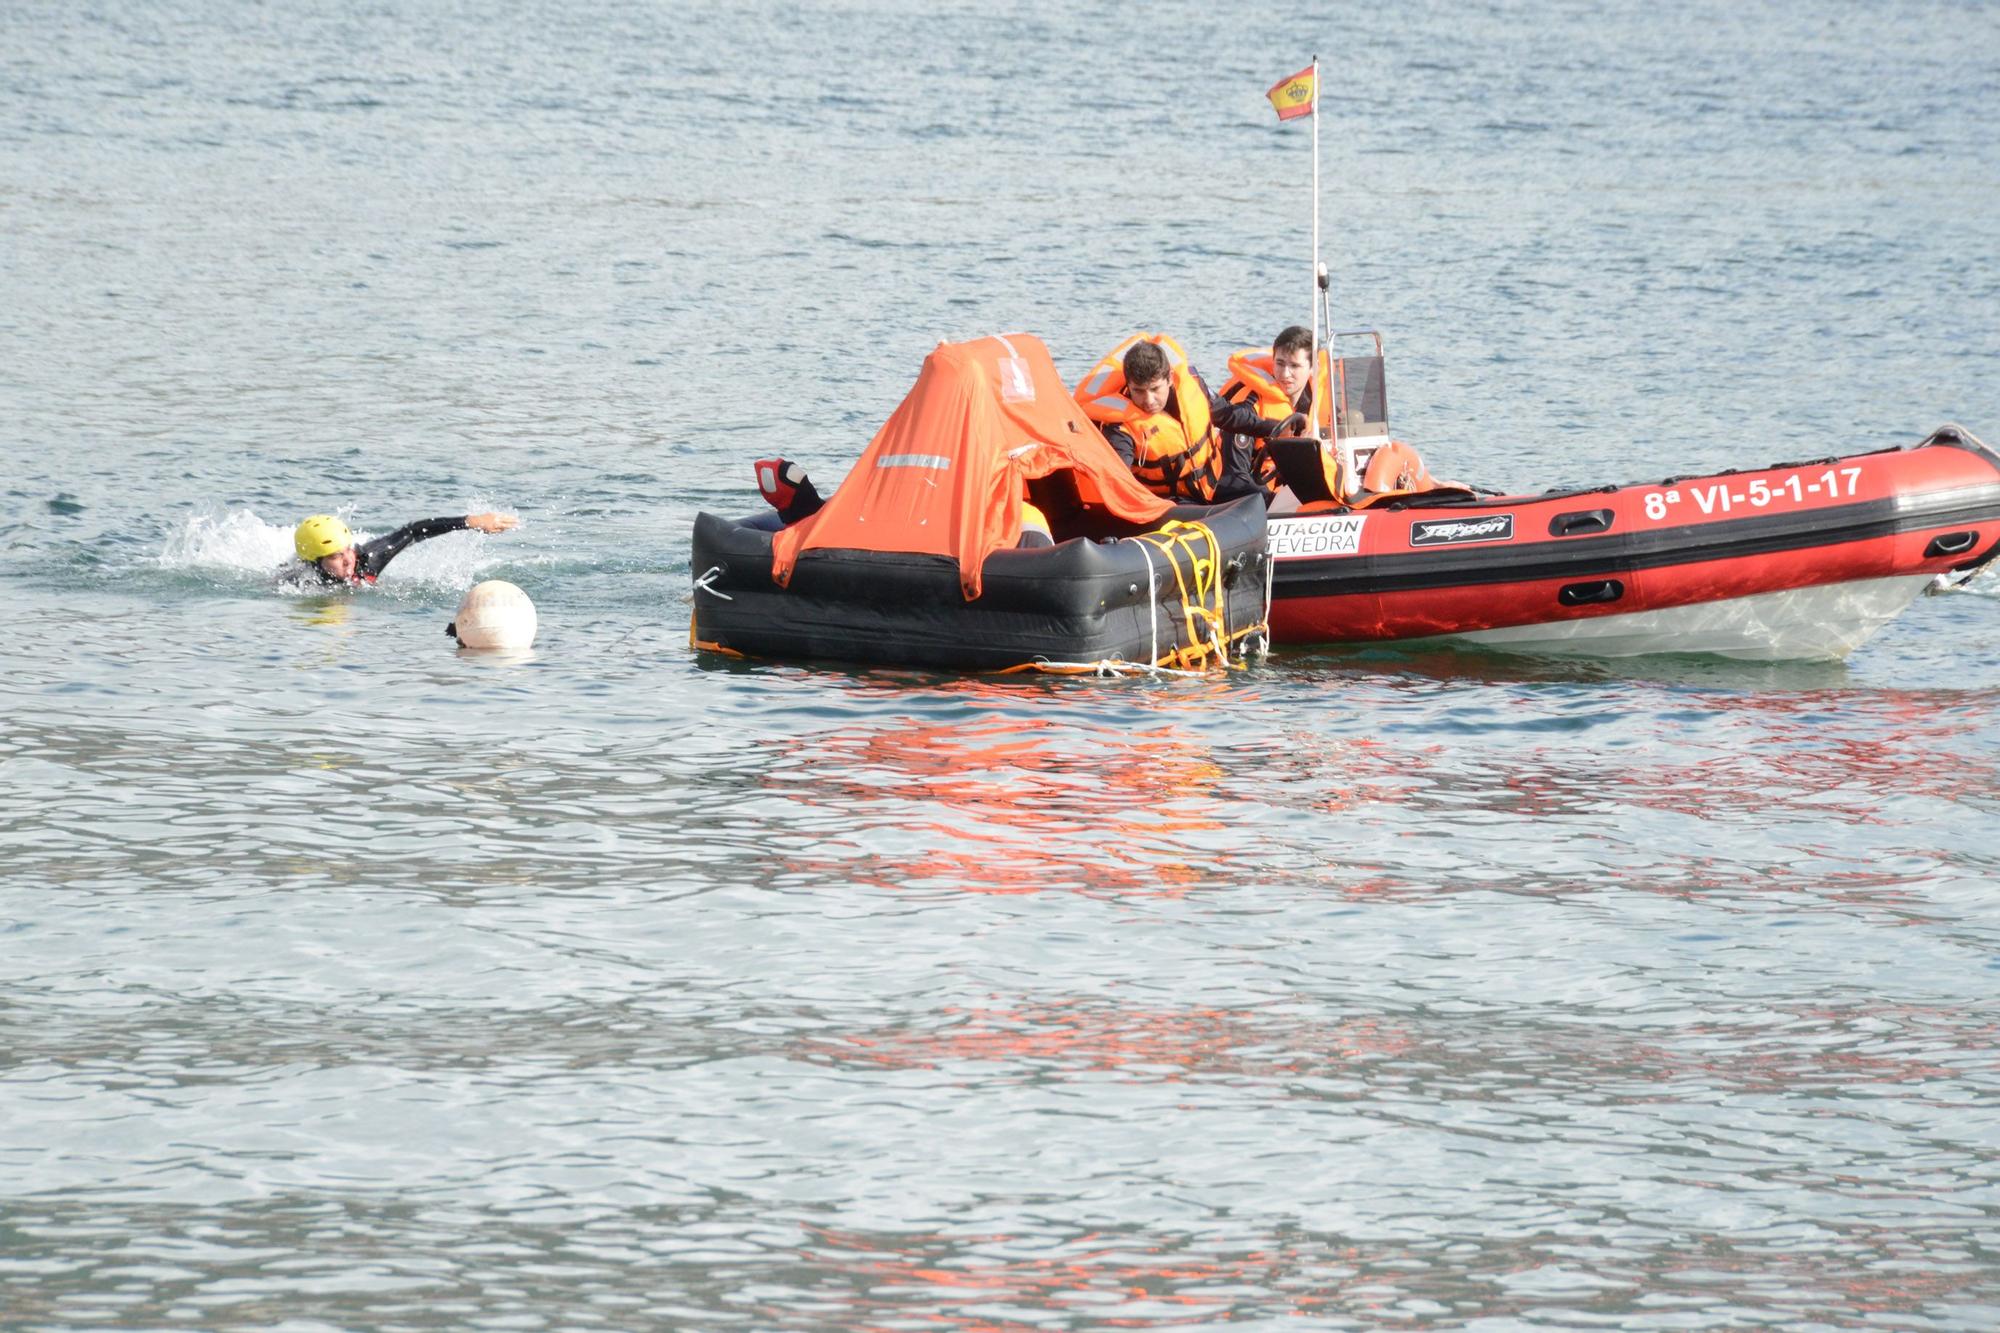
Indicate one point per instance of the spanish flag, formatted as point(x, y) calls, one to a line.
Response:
point(1293, 95)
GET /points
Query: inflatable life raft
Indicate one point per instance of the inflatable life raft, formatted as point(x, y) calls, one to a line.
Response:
point(1794, 560)
point(914, 560)
point(1190, 590)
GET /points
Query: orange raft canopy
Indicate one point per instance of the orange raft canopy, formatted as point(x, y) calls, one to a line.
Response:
point(947, 472)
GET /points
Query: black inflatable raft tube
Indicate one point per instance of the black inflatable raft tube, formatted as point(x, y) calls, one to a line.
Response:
point(1082, 601)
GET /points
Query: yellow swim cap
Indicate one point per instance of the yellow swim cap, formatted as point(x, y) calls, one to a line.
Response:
point(321, 535)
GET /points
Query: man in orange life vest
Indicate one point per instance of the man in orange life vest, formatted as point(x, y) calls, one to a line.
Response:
point(1279, 387)
point(1165, 424)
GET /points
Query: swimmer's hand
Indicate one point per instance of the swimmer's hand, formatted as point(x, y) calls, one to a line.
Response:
point(492, 522)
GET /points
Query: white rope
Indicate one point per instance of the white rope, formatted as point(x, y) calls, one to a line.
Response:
point(1270, 573)
point(706, 583)
point(1117, 666)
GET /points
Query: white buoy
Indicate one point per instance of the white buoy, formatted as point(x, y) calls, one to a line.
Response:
point(494, 614)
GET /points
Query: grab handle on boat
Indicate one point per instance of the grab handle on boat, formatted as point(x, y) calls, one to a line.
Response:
point(1590, 594)
point(1952, 543)
point(1580, 523)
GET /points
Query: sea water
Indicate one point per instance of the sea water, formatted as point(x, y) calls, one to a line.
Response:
point(351, 981)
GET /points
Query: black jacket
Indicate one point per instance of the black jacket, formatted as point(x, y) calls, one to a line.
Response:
point(1245, 471)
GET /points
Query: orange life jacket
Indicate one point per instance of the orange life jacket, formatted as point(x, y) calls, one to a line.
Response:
point(1175, 455)
point(1253, 376)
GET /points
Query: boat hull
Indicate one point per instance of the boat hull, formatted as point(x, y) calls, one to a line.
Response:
point(1718, 564)
point(1825, 622)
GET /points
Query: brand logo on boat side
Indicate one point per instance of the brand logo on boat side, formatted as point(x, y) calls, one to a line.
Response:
point(1451, 531)
point(1301, 538)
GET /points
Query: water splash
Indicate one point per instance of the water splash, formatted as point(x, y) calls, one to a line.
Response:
point(1980, 583)
point(232, 542)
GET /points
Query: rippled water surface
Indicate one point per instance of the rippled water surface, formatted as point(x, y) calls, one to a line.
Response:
point(352, 982)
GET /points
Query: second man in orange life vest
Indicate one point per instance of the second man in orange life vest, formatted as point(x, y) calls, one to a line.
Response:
point(1166, 425)
point(1279, 386)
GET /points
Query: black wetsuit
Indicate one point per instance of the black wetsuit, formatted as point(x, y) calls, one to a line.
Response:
point(371, 556)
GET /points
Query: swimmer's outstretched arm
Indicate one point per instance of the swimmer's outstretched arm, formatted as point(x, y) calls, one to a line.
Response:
point(372, 556)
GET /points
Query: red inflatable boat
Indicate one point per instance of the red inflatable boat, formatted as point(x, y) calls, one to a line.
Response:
point(1795, 560)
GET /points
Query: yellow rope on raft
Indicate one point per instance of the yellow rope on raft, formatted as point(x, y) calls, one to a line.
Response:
point(1204, 608)
point(1204, 605)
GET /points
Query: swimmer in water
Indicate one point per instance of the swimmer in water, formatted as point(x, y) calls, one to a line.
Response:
point(328, 554)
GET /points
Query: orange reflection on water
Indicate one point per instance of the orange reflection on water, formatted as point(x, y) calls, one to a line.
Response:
point(1061, 803)
point(958, 1282)
point(1822, 754)
point(1009, 770)
point(975, 1282)
point(1015, 805)
point(1803, 1055)
point(1091, 1035)
point(1808, 1054)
